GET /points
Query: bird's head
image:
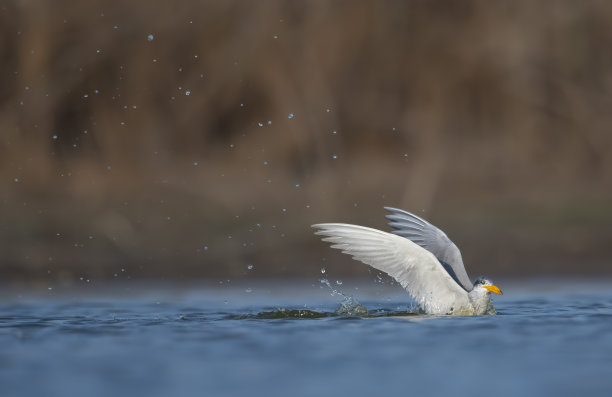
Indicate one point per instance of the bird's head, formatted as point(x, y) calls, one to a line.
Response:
point(486, 284)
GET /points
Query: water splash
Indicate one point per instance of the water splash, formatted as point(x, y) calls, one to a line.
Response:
point(349, 305)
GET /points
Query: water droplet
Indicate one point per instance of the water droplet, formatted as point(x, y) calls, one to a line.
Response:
point(248, 290)
point(265, 163)
point(195, 163)
point(275, 36)
point(269, 122)
point(260, 124)
point(334, 132)
point(86, 96)
point(150, 37)
point(338, 282)
point(206, 248)
point(187, 92)
point(334, 157)
point(297, 185)
point(54, 137)
point(290, 116)
point(323, 270)
point(250, 267)
point(16, 179)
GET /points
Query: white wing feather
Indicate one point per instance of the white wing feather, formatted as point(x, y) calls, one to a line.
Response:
point(415, 268)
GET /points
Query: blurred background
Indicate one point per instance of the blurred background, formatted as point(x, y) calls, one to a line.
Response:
point(152, 140)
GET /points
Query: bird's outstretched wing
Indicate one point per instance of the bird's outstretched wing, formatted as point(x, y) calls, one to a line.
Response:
point(415, 268)
point(433, 240)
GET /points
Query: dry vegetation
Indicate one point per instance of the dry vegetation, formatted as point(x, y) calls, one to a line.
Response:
point(121, 152)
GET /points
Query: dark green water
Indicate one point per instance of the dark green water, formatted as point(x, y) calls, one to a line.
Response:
point(290, 340)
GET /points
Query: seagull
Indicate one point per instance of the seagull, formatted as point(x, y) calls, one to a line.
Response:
point(420, 257)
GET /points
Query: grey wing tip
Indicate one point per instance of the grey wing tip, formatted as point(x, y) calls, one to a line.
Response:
point(393, 212)
point(404, 213)
point(398, 211)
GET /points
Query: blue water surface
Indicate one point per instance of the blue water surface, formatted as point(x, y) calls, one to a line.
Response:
point(273, 339)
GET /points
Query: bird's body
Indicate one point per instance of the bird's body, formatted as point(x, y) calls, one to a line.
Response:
point(420, 257)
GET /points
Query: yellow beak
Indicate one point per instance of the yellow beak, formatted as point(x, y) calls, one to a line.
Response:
point(493, 288)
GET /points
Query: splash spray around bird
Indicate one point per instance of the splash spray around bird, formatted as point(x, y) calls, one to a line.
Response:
point(349, 306)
